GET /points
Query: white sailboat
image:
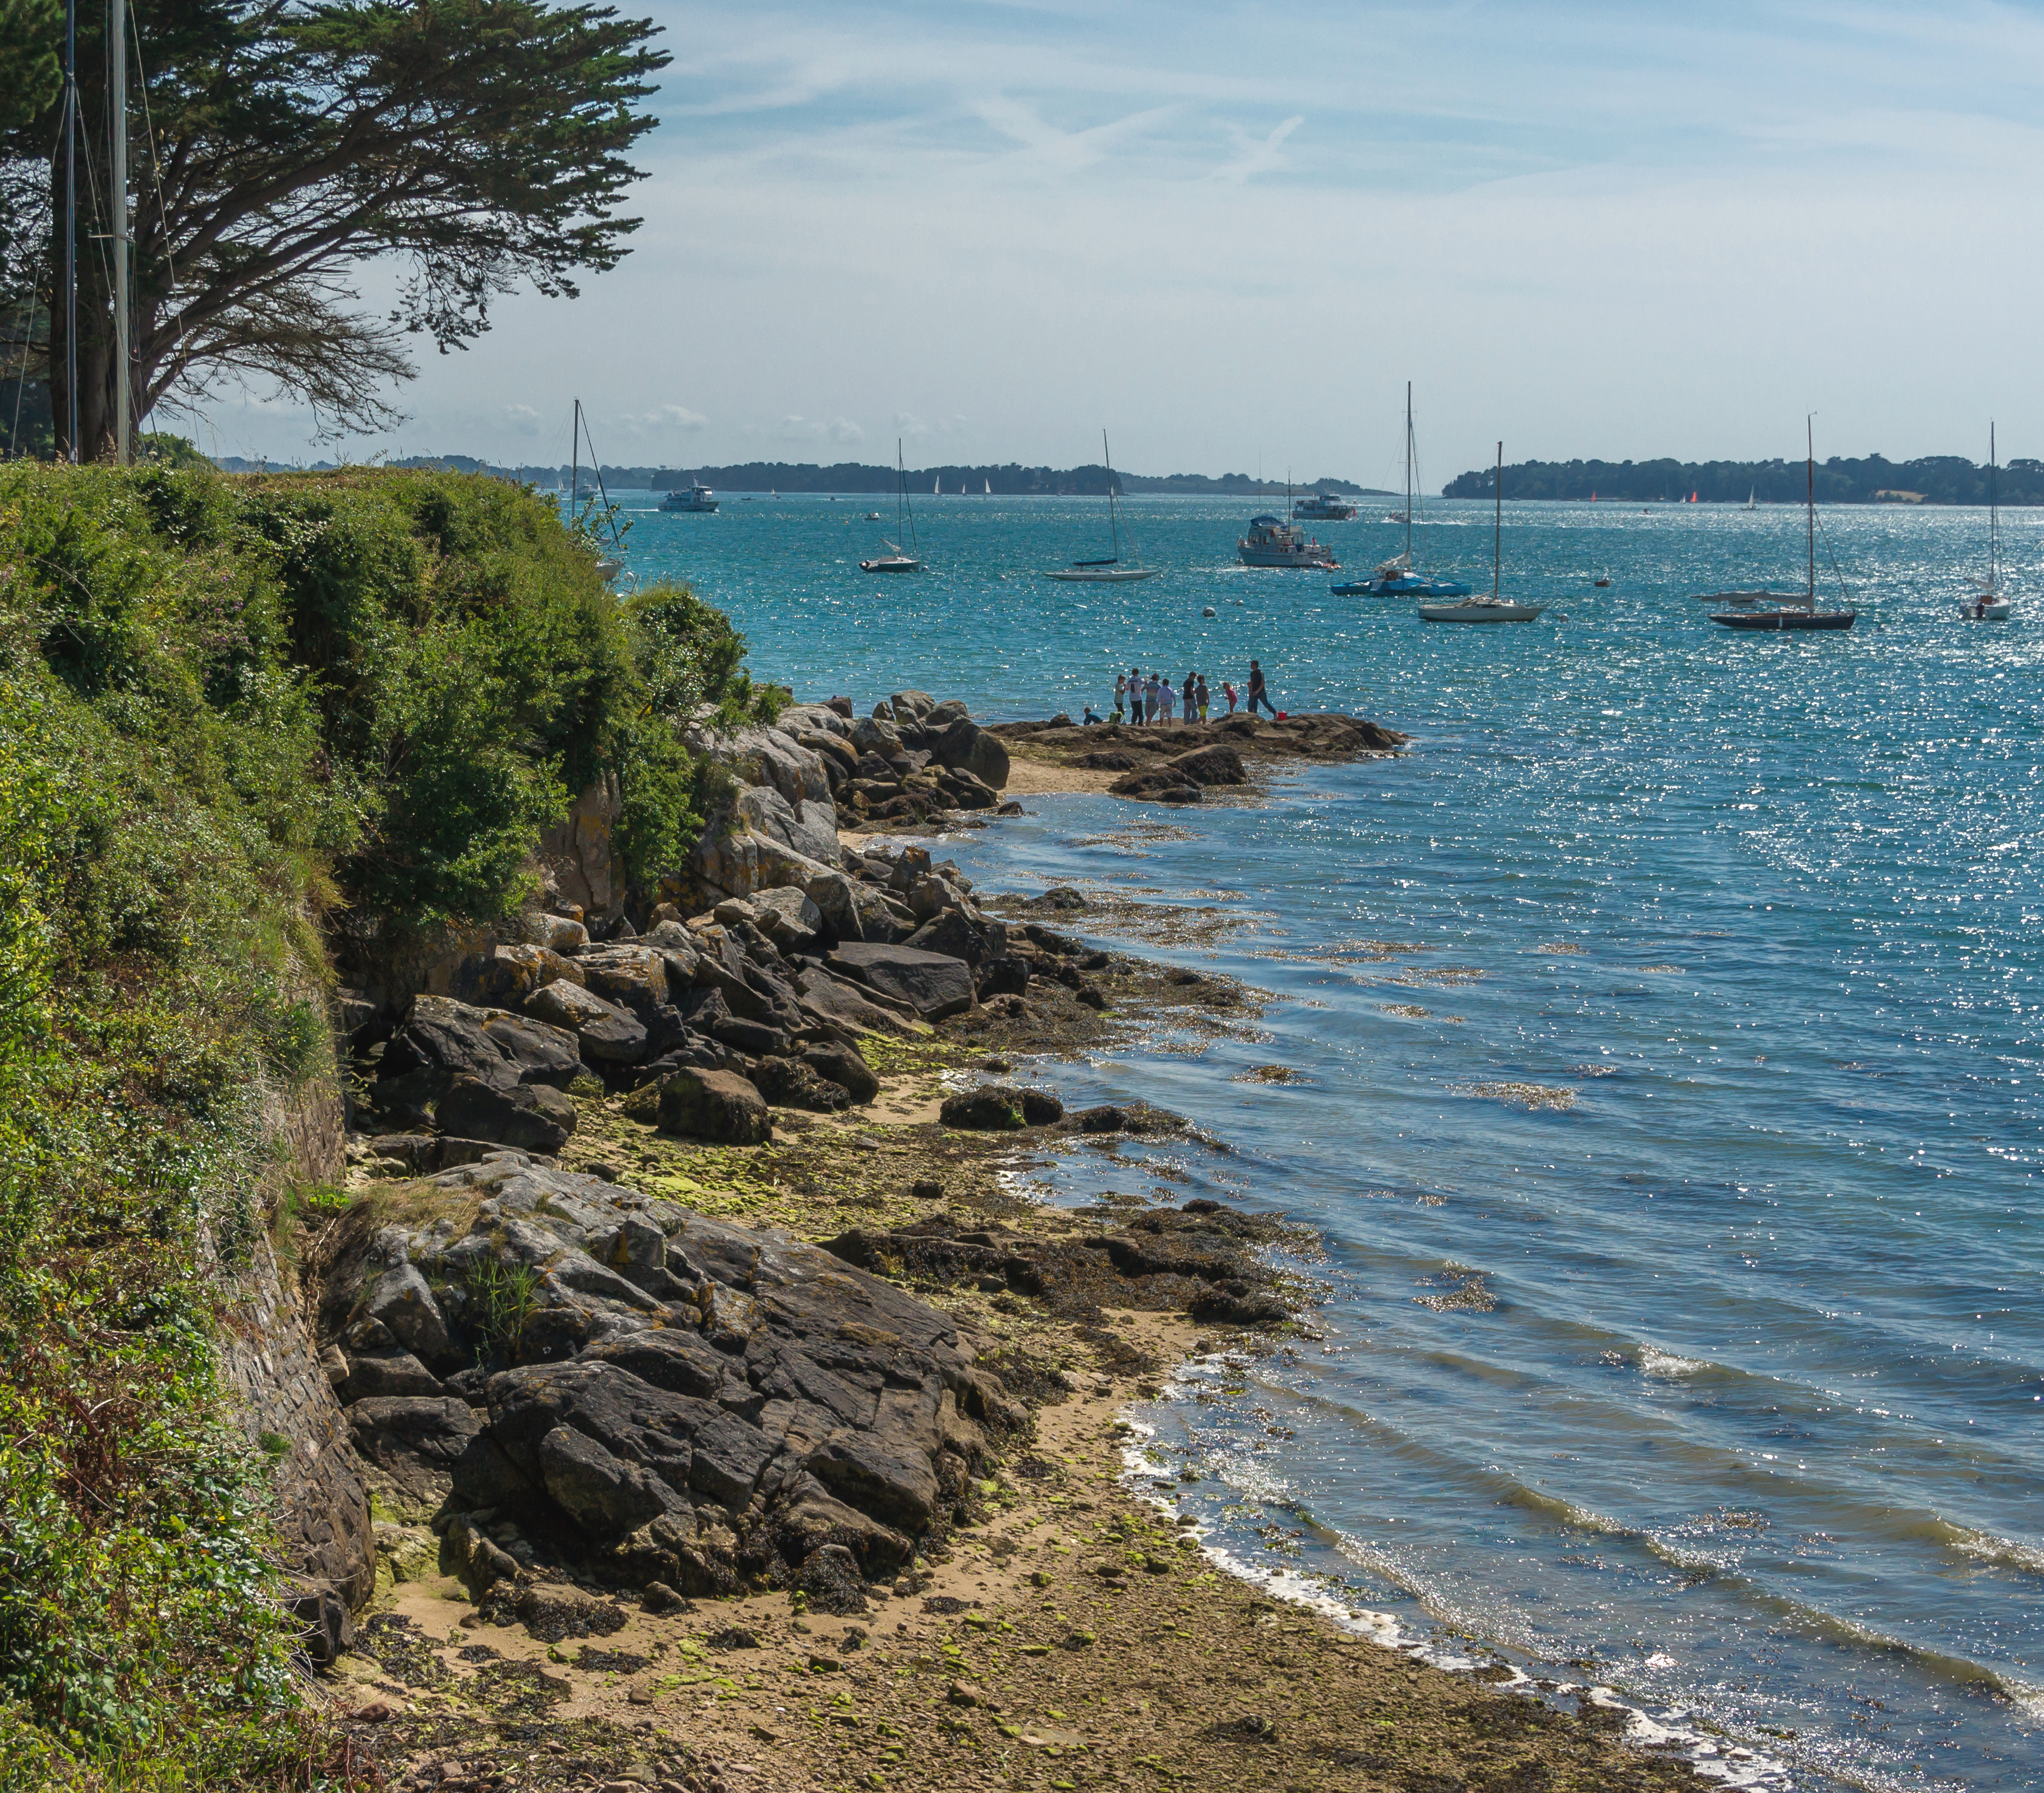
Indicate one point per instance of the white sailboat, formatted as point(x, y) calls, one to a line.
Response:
point(1750, 492)
point(894, 560)
point(1987, 604)
point(1109, 571)
point(1493, 609)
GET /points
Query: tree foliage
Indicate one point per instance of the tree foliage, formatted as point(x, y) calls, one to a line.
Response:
point(281, 144)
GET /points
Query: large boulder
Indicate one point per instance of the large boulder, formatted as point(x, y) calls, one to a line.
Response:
point(967, 747)
point(715, 1105)
point(505, 976)
point(532, 1117)
point(842, 1066)
point(628, 975)
point(605, 1033)
point(955, 934)
point(442, 1039)
point(911, 706)
point(765, 1403)
point(933, 985)
point(765, 757)
point(808, 828)
point(836, 1003)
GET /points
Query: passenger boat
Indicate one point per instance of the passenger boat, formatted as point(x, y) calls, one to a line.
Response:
point(1272, 543)
point(695, 497)
point(1109, 571)
point(1323, 507)
point(1779, 610)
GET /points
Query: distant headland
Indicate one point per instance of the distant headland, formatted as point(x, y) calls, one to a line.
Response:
point(1009, 480)
point(1937, 479)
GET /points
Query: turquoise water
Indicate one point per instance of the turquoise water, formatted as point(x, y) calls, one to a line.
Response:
point(1741, 1407)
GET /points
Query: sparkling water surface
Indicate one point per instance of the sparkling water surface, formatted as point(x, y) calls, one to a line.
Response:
point(1665, 1028)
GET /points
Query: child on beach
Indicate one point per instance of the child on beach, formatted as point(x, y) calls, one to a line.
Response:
point(1201, 693)
point(1120, 696)
point(1149, 700)
point(1227, 691)
point(1167, 695)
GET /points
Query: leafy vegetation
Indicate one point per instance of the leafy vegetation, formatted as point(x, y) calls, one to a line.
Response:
point(239, 720)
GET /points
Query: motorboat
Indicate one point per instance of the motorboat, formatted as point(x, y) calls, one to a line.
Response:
point(1396, 578)
point(1272, 543)
point(893, 560)
point(1109, 571)
point(1987, 604)
point(1496, 608)
point(1323, 507)
point(694, 496)
point(1480, 610)
point(1754, 610)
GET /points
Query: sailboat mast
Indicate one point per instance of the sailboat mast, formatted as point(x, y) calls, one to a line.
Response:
point(1409, 473)
point(1810, 469)
point(1113, 526)
point(574, 460)
point(1993, 513)
point(1497, 536)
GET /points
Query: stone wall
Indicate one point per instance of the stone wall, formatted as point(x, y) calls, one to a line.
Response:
point(270, 1361)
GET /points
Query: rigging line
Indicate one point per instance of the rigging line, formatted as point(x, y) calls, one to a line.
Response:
point(22, 378)
point(156, 167)
point(1832, 554)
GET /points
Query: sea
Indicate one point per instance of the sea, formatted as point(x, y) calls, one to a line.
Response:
point(1653, 1046)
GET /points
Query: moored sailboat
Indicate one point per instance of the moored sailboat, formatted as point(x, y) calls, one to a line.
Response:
point(1987, 604)
point(1495, 609)
point(1109, 571)
point(1776, 610)
point(894, 560)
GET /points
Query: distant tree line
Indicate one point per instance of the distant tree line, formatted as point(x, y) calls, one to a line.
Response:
point(1011, 479)
point(1937, 479)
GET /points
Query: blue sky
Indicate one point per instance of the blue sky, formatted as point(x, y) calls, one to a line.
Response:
point(1231, 233)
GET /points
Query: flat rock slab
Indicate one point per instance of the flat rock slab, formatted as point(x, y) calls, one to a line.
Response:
point(678, 1400)
point(932, 984)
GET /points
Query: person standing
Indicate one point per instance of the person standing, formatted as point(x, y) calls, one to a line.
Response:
point(1149, 699)
point(1258, 692)
point(1191, 714)
point(1167, 695)
point(1201, 694)
point(1135, 696)
point(1120, 696)
point(1227, 691)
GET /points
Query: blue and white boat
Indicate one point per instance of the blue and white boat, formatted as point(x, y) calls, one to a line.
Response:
point(1395, 578)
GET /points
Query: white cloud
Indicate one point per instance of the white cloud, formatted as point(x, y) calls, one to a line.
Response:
point(840, 430)
point(667, 420)
point(1257, 155)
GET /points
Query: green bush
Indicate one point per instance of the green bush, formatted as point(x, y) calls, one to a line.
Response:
point(239, 720)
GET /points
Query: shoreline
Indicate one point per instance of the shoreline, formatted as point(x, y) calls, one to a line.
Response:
point(1066, 1637)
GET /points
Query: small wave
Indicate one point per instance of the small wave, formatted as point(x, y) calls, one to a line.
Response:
point(1654, 1361)
point(2012, 1553)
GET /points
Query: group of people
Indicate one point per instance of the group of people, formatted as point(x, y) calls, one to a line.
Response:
point(1151, 699)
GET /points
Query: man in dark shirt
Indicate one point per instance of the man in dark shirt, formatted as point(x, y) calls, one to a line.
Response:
point(1257, 694)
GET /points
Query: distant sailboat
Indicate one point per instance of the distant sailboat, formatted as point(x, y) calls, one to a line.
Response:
point(1786, 612)
point(894, 560)
point(988, 485)
point(1750, 492)
point(1987, 604)
point(1109, 571)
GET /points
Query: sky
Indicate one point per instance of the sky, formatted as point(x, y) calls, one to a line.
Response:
point(1231, 234)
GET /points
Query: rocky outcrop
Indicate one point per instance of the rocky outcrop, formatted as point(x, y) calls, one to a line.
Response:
point(1182, 778)
point(616, 1384)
